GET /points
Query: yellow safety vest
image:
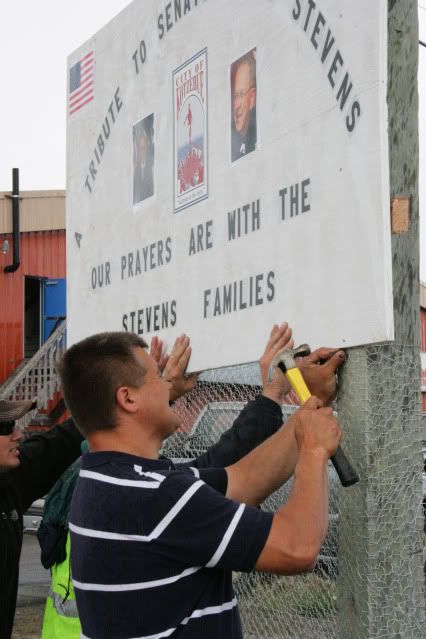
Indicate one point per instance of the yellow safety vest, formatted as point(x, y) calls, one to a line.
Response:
point(60, 615)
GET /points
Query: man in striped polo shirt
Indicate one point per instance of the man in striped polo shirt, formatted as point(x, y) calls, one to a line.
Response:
point(153, 546)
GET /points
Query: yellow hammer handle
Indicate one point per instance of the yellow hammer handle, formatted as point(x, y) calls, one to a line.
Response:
point(298, 384)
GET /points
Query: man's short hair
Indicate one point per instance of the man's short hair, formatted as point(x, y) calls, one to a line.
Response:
point(92, 371)
point(250, 60)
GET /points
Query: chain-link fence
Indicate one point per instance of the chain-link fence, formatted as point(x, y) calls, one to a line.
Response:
point(304, 606)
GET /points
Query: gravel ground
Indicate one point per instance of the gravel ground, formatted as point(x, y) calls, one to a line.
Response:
point(33, 588)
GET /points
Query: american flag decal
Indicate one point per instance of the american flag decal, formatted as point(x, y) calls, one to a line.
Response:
point(81, 83)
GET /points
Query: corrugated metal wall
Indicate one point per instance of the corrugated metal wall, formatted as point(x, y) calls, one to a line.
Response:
point(42, 255)
point(423, 349)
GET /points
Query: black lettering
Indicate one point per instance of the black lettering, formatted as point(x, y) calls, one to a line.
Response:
point(317, 29)
point(344, 91)
point(106, 131)
point(87, 184)
point(148, 318)
point(178, 10)
point(132, 316)
point(140, 321)
point(251, 292)
point(192, 243)
point(107, 273)
point(135, 59)
point(92, 170)
point(125, 322)
point(123, 265)
point(156, 317)
point(283, 194)
point(231, 225)
point(169, 22)
point(352, 117)
point(207, 294)
point(145, 257)
point(255, 210)
point(111, 110)
point(165, 315)
point(259, 298)
point(270, 284)
point(101, 144)
point(93, 278)
point(96, 156)
point(160, 26)
point(294, 200)
point(160, 253)
point(199, 237)
point(173, 313)
point(152, 256)
point(305, 195)
point(246, 209)
point(209, 241)
point(297, 10)
point(138, 264)
point(168, 249)
point(328, 44)
point(187, 7)
point(118, 102)
point(142, 51)
point(334, 67)
point(243, 304)
point(235, 296)
point(227, 298)
point(130, 264)
point(217, 310)
point(312, 6)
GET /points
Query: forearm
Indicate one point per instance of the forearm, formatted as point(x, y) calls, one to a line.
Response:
point(45, 457)
point(257, 421)
point(252, 479)
point(299, 527)
point(307, 506)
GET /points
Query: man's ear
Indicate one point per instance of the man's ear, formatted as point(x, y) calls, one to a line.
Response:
point(125, 399)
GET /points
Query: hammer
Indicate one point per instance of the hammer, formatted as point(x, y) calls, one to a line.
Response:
point(285, 360)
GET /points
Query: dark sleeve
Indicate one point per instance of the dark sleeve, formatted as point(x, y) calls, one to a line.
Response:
point(260, 419)
point(44, 458)
point(216, 478)
point(209, 529)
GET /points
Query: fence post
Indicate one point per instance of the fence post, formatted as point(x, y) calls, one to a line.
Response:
point(380, 582)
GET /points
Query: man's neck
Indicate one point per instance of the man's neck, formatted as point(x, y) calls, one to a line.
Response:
point(125, 440)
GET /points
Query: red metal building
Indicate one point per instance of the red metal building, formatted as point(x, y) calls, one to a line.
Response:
point(423, 341)
point(42, 257)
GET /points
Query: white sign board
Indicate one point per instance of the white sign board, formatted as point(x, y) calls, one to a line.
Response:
point(227, 169)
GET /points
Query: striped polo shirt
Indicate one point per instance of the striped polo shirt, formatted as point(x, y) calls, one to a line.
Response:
point(153, 547)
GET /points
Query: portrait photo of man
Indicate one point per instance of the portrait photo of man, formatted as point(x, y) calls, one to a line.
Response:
point(243, 106)
point(143, 159)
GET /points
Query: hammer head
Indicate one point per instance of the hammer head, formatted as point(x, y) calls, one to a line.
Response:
point(286, 359)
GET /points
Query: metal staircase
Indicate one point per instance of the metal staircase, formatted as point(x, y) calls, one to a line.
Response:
point(37, 379)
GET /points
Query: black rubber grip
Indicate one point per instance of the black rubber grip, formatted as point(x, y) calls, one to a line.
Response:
point(347, 474)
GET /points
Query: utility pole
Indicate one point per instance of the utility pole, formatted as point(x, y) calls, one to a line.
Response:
point(381, 582)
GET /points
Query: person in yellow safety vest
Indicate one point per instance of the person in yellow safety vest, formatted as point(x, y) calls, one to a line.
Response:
point(60, 615)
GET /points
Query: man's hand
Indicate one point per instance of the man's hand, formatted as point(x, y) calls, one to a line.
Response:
point(158, 352)
point(316, 429)
point(279, 339)
point(174, 371)
point(319, 372)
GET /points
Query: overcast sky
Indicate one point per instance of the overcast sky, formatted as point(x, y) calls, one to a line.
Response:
point(36, 38)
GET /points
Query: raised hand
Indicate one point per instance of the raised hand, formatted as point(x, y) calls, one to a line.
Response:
point(279, 338)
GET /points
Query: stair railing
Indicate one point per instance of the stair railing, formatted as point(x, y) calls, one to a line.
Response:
point(38, 378)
